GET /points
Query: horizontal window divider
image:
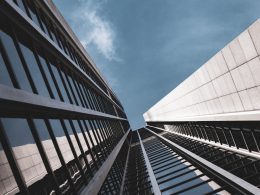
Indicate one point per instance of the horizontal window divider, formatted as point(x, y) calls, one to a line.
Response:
point(97, 181)
point(61, 52)
point(20, 103)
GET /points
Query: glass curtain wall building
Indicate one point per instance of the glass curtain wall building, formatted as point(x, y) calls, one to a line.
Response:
point(61, 124)
point(64, 131)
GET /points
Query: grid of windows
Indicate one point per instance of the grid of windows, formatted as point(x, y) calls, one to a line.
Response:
point(114, 179)
point(47, 148)
point(60, 152)
point(37, 15)
point(27, 65)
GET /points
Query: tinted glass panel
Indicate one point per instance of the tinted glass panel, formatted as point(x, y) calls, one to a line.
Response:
point(34, 70)
point(47, 143)
point(62, 140)
point(49, 78)
point(4, 75)
point(68, 87)
point(15, 61)
point(60, 84)
point(74, 90)
point(72, 137)
point(81, 138)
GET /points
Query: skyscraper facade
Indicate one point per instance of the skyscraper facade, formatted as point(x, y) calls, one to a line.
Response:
point(61, 124)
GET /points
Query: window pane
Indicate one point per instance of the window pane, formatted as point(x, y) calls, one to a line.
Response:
point(62, 140)
point(33, 13)
point(4, 75)
point(7, 181)
point(68, 88)
point(47, 143)
point(25, 149)
point(34, 70)
point(21, 5)
point(60, 84)
point(81, 138)
point(72, 137)
point(15, 61)
point(74, 91)
point(49, 78)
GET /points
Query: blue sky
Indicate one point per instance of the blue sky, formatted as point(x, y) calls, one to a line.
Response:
point(145, 48)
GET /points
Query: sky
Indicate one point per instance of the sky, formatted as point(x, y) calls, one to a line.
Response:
point(145, 48)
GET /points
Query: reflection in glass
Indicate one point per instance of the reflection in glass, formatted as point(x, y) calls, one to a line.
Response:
point(4, 75)
point(49, 78)
point(7, 181)
point(47, 143)
point(60, 84)
point(15, 61)
point(62, 140)
point(24, 148)
point(34, 70)
point(72, 137)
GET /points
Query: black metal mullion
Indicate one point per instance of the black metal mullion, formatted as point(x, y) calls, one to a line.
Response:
point(73, 150)
point(89, 148)
point(92, 143)
point(80, 147)
point(63, 163)
point(43, 155)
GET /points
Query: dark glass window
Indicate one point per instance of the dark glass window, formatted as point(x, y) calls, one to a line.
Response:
point(33, 14)
point(15, 61)
point(4, 75)
point(62, 140)
point(48, 76)
point(74, 90)
point(68, 87)
point(47, 143)
point(24, 148)
point(60, 84)
point(72, 137)
point(20, 4)
point(34, 70)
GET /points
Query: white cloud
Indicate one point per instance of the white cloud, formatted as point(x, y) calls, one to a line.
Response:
point(95, 30)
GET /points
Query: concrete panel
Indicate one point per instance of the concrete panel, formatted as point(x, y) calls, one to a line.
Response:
point(254, 66)
point(254, 31)
point(244, 96)
point(237, 52)
point(247, 45)
point(231, 63)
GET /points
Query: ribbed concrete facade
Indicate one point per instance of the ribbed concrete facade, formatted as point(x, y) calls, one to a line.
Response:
point(226, 87)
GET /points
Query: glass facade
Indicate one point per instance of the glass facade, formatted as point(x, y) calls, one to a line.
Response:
point(65, 121)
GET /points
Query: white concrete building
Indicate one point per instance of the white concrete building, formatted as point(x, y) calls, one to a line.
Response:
point(225, 88)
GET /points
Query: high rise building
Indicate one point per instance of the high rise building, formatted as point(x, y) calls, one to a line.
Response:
point(211, 121)
point(61, 125)
point(64, 131)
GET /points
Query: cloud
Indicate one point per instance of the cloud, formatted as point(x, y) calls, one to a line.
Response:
point(94, 29)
